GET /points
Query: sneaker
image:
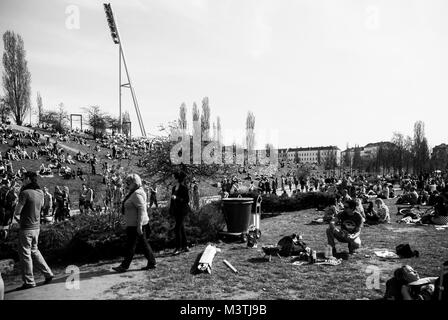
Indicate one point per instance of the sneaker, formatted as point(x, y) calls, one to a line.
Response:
point(176, 252)
point(48, 280)
point(119, 269)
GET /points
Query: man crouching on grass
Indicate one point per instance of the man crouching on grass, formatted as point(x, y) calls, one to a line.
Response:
point(351, 222)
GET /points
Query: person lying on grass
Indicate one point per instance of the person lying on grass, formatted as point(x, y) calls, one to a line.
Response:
point(350, 231)
point(406, 284)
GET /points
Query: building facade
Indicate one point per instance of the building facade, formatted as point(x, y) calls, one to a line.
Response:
point(311, 155)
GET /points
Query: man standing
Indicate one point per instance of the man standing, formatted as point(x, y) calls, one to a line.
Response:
point(85, 199)
point(92, 166)
point(48, 202)
point(195, 194)
point(351, 222)
point(31, 200)
point(153, 196)
point(89, 200)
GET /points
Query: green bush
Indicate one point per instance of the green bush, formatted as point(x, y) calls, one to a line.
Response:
point(90, 238)
point(303, 200)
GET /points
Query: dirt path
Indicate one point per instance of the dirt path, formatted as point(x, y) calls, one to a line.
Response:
point(95, 282)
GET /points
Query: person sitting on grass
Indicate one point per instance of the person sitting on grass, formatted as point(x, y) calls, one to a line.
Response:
point(345, 196)
point(350, 231)
point(384, 193)
point(333, 210)
point(377, 213)
point(440, 214)
point(423, 198)
point(391, 191)
point(360, 208)
point(413, 196)
point(410, 197)
point(284, 194)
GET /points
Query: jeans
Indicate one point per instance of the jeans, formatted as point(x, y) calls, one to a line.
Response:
point(88, 205)
point(341, 236)
point(131, 243)
point(179, 230)
point(153, 200)
point(29, 253)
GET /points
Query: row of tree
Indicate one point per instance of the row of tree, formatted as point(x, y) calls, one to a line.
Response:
point(401, 154)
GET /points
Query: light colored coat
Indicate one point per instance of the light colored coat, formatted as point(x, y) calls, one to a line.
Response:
point(135, 212)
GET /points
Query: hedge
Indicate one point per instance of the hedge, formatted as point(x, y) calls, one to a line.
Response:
point(90, 238)
point(303, 200)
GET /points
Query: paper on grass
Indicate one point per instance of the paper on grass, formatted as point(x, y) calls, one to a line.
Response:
point(385, 253)
point(205, 263)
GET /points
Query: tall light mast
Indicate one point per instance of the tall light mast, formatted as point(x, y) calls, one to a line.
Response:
point(116, 38)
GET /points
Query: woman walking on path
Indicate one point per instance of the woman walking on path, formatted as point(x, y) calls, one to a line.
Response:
point(137, 223)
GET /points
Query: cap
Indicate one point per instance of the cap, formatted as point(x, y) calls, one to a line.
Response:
point(31, 175)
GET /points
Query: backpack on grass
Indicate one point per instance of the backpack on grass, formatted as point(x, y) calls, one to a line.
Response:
point(291, 246)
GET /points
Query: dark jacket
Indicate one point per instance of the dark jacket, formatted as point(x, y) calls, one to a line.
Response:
point(29, 208)
point(180, 206)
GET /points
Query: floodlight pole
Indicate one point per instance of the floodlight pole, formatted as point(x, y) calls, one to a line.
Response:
point(120, 129)
point(117, 40)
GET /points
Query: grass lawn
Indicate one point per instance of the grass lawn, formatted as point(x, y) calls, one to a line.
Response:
point(258, 278)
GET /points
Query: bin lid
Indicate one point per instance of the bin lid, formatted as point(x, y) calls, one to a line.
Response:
point(238, 200)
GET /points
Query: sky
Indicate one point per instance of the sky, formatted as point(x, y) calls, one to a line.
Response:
point(314, 72)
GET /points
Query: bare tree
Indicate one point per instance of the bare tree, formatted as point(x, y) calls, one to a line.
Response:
point(40, 107)
point(205, 120)
point(420, 148)
point(58, 119)
point(357, 161)
point(62, 114)
point(96, 119)
point(218, 130)
point(16, 77)
point(250, 135)
point(126, 123)
point(214, 136)
point(330, 162)
point(196, 113)
point(408, 159)
point(183, 116)
point(5, 110)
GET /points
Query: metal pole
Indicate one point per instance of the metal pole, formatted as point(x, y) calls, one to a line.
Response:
point(119, 90)
point(134, 98)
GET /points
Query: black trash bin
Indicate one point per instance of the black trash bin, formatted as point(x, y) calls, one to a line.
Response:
point(237, 214)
